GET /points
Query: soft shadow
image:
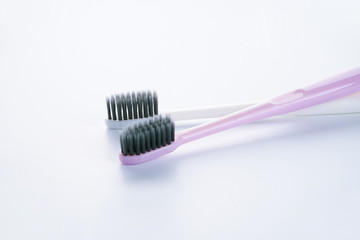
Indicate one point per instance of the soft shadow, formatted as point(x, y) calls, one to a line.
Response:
point(294, 127)
point(160, 169)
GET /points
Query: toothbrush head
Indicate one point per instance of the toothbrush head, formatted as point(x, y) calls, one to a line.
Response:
point(147, 140)
point(125, 108)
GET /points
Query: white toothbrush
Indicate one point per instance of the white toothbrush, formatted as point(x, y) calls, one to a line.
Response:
point(126, 109)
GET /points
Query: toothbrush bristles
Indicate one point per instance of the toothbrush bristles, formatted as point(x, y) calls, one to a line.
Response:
point(132, 106)
point(150, 135)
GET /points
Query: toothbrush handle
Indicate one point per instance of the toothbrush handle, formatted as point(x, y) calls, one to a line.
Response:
point(209, 112)
point(345, 105)
point(324, 91)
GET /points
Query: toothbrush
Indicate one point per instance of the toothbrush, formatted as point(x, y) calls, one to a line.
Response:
point(156, 137)
point(126, 109)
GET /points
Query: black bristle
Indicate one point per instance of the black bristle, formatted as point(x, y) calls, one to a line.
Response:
point(113, 111)
point(147, 136)
point(147, 140)
point(132, 105)
point(155, 98)
point(118, 106)
point(129, 106)
point(150, 102)
point(167, 119)
point(123, 104)
point(151, 121)
point(172, 132)
point(137, 143)
point(163, 134)
point(142, 142)
point(123, 143)
point(168, 132)
point(152, 138)
point(108, 108)
point(130, 142)
point(140, 104)
point(145, 105)
point(158, 136)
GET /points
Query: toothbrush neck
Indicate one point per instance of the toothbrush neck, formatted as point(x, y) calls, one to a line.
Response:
point(248, 115)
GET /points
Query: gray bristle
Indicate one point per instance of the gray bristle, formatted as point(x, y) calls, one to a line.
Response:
point(108, 108)
point(147, 136)
point(132, 105)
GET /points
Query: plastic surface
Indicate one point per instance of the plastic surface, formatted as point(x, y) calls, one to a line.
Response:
point(339, 86)
point(125, 123)
point(346, 105)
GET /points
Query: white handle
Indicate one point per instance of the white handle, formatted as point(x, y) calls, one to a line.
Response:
point(208, 112)
point(345, 105)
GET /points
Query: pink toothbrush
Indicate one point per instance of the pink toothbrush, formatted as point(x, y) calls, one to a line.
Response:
point(146, 141)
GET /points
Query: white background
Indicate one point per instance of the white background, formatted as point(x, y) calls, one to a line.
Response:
point(282, 178)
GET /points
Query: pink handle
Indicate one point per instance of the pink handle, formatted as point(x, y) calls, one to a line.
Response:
point(324, 91)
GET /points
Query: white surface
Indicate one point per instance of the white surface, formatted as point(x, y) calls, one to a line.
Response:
point(60, 177)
